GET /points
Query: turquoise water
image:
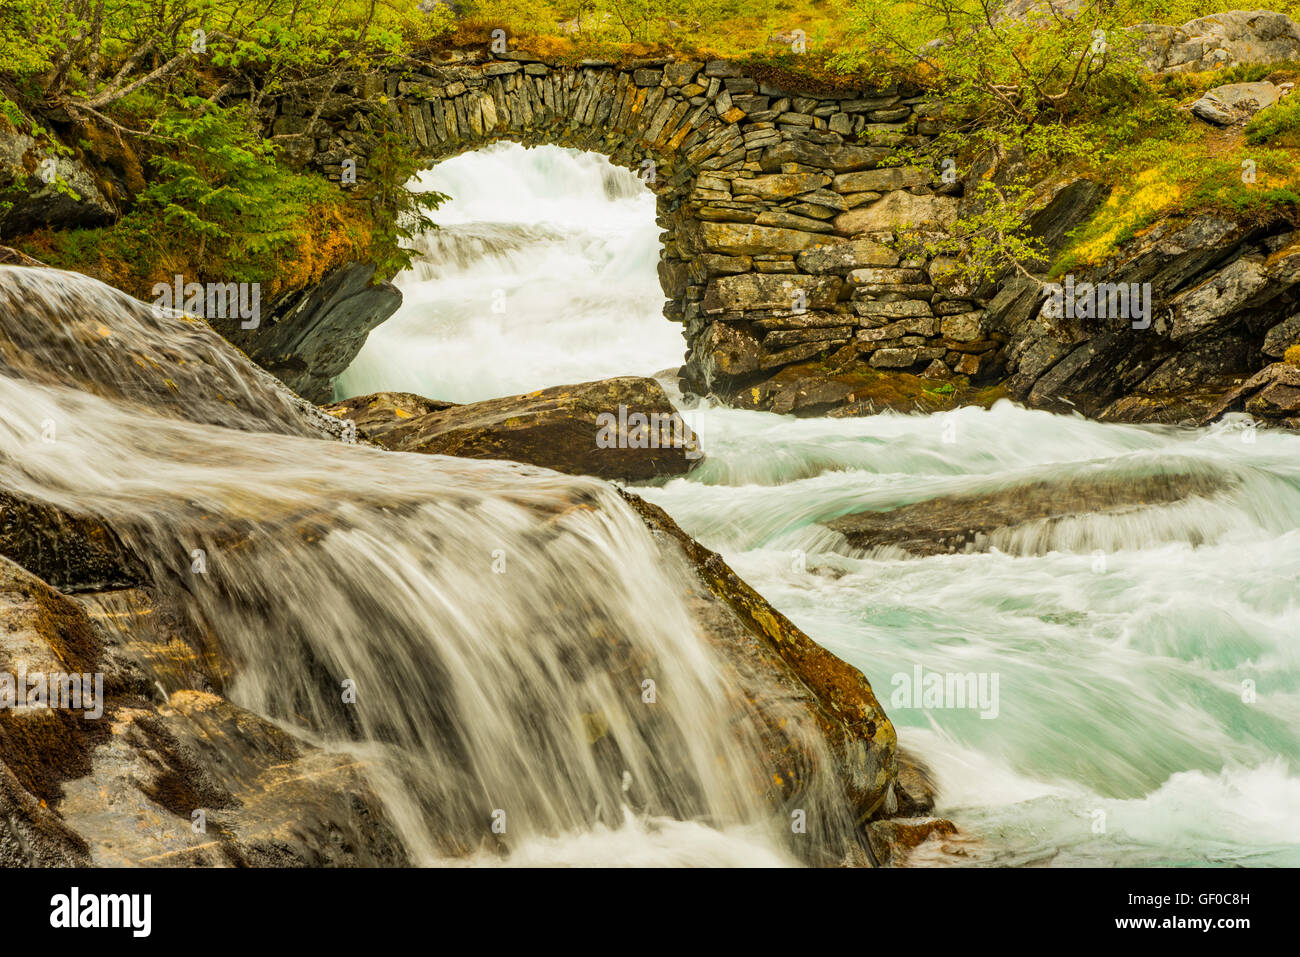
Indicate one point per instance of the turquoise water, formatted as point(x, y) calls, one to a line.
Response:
point(1148, 706)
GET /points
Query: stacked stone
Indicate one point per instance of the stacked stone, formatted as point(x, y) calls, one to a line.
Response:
point(776, 212)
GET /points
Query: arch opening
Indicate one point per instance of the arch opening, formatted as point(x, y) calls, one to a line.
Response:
point(543, 272)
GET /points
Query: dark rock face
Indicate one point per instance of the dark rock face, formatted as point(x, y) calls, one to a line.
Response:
point(963, 523)
point(310, 336)
point(622, 428)
point(1220, 295)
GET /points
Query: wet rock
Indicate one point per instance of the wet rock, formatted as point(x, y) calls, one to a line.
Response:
point(121, 787)
point(1274, 391)
point(265, 798)
point(723, 352)
point(380, 412)
point(74, 552)
point(974, 522)
point(623, 428)
point(310, 336)
point(64, 329)
point(826, 696)
point(892, 840)
point(1186, 408)
point(914, 788)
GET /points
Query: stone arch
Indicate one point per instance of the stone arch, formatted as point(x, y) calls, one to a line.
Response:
point(773, 204)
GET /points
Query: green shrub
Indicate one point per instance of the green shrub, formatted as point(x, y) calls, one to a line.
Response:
point(1278, 125)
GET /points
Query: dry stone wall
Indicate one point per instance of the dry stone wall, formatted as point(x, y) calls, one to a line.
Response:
point(776, 206)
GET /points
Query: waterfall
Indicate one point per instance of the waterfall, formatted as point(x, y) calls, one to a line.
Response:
point(495, 624)
point(542, 274)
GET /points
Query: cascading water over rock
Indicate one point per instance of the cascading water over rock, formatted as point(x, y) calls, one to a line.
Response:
point(503, 646)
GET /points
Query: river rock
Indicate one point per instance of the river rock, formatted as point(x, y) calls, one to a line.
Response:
point(1273, 392)
point(976, 522)
point(623, 428)
point(377, 414)
point(831, 698)
point(121, 788)
point(892, 840)
point(309, 336)
point(66, 329)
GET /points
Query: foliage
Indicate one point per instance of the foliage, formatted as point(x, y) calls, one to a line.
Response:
point(1278, 125)
point(220, 185)
point(399, 213)
point(1028, 96)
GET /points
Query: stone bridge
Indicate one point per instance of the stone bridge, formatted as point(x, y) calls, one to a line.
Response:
point(775, 205)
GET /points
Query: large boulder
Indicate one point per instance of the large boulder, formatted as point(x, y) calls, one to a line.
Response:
point(823, 698)
point(1235, 102)
point(1231, 38)
point(622, 428)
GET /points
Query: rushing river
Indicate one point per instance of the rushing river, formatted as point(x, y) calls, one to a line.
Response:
point(1143, 667)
